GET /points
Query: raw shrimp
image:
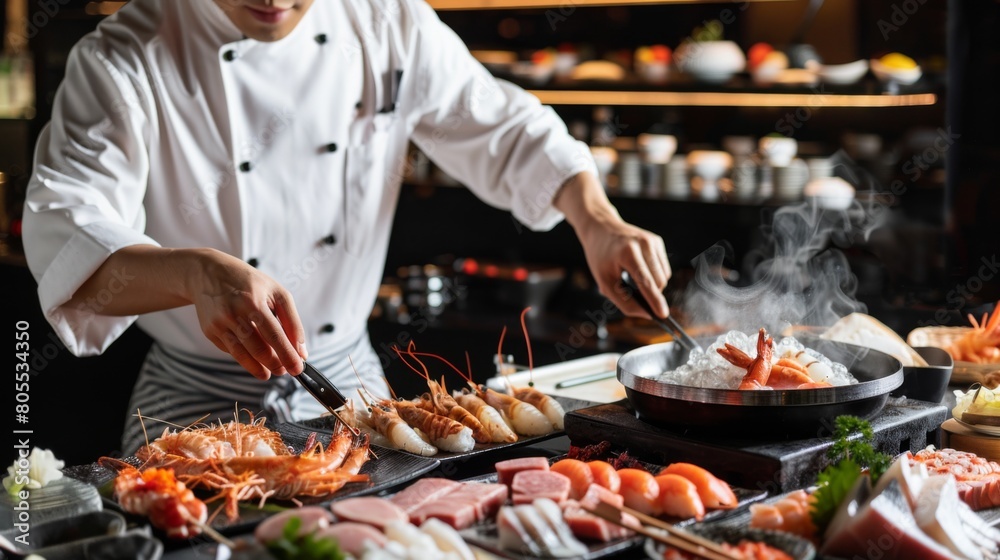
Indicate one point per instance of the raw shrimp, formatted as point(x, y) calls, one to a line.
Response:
point(679, 497)
point(714, 492)
point(386, 421)
point(982, 343)
point(444, 433)
point(440, 402)
point(490, 417)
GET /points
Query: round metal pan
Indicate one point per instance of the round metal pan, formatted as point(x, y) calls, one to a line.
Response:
point(762, 414)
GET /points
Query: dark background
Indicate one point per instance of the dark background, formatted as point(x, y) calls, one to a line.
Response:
point(940, 228)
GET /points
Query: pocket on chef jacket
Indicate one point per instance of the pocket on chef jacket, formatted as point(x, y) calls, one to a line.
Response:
point(366, 181)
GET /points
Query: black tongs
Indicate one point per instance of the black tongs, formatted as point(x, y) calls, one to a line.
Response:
point(322, 390)
point(669, 324)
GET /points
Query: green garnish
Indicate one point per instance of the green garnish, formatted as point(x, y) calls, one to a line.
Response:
point(711, 31)
point(852, 454)
point(292, 546)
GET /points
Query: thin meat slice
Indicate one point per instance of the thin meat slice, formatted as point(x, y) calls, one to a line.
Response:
point(423, 491)
point(596, 494)
point(485, 498)
point(590, 528)
point(351, 537)
point(377, 512)
point(507, 469)
point(540, 484)
point(458, 515)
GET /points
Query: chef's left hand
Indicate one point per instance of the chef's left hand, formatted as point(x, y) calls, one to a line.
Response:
point(611, 245)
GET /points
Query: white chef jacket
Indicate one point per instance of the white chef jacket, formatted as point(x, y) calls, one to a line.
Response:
point(171, 129)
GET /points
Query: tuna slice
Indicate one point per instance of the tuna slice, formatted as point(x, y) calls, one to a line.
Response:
point(377, 512)
point(589, 527)
point(422, 491)
point(507, 469)
point(458, 515)
point(485, 498)
point(351, 537)
point(883, 528)
point(540, 484)
point(980, 494)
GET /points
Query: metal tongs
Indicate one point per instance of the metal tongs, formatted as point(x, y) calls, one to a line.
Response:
point(323, 391)
point(669, 324)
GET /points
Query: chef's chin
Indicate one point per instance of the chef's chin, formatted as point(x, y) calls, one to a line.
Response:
point(265, 20)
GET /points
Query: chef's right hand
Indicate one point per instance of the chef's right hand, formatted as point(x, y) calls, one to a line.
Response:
point(247, 314)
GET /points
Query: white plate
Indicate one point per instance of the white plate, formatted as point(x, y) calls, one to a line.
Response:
point(981, 428)
point(547, 378)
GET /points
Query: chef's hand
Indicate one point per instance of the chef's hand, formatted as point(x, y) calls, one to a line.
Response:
point(611, 245)
point(247, 314)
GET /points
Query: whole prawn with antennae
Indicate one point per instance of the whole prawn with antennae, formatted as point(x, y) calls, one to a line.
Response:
point(440, 402)
point(491, 419)
point(546, 404)
point(383, 419)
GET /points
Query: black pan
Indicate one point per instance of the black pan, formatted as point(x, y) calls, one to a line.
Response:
point(763, 414)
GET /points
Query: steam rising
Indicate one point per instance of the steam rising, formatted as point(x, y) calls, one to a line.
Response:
point(795, 278)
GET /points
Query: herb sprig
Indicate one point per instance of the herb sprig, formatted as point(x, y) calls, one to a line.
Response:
point(292, 546)
point(853, 455)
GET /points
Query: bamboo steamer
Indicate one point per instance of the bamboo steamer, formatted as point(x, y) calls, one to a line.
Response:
point(963, 372)
point(962, 438)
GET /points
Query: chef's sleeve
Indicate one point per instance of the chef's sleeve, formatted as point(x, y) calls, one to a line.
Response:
point(490, 135)
point(84, 199)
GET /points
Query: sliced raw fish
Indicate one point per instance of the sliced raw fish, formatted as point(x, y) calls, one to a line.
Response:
point(588, 527)
point(553, 516)
point(513, 535)
point(507, 469)
point(485, 497)
point(937, 514)
point(541, 484)
point(417, 543)
point(597, 494)
point(422, 491)
point(884, 528)
point(980, 494)
point(351, 537)
point(538, 528)
point(376, 512)
point(447, 539)
point(911, 477)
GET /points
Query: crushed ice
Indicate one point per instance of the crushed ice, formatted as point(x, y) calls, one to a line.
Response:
point(710, 370)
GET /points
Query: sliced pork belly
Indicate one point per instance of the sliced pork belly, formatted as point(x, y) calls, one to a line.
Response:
point(423, 491)
point(885, 527)
point(507, 469)
point(530, 485)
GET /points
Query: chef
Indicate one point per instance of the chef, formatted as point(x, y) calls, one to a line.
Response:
point(226, 173)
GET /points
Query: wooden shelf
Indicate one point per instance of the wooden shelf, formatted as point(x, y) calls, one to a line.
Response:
point(730, 99)
point(541, 4)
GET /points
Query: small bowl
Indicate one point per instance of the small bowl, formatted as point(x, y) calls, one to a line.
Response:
point(796, 547)
point(843, 74)
point(927, 383)
point(534, 74)
point(710, 61)
point(886, 74)
point(832, 193)
point(779, 150)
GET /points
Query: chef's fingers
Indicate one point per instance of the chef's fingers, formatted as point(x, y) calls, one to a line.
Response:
point(239, 353)
point(288, 315)
point(278, 345)
point(652, 247)
point(635, 264)
point(259, 344)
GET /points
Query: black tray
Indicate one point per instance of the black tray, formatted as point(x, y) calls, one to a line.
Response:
point(484, 535)
point(326, 424)
point(391, 469)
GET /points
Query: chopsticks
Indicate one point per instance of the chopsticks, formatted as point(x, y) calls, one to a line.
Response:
point(585, 379)
point(669, 324)
point(675, 537)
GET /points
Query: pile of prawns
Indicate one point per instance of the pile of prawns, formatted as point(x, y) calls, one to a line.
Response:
point(457, 421)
